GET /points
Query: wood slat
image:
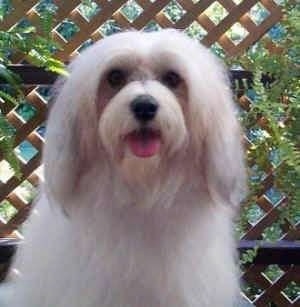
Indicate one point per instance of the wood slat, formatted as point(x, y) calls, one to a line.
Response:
point(20, 8)
point(236, 13)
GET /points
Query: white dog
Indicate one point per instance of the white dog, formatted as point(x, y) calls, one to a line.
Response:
point(143, 175)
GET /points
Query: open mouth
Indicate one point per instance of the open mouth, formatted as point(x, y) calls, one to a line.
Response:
point(144, 142)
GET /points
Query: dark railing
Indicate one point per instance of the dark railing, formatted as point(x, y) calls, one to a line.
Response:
point(282, 252)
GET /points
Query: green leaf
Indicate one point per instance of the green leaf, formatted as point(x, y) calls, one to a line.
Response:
point(11, 78)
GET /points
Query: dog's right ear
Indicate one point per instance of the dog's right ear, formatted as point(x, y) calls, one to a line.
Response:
point(71, 141)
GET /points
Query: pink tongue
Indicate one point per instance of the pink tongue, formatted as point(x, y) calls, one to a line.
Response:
point(144, 144)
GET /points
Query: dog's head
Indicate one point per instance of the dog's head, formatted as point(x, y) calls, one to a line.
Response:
point(145, 103)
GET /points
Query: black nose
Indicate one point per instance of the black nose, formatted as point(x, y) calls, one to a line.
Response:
point(144, 107)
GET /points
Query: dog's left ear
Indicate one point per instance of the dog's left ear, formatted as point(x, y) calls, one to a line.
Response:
point(220, 136)
point(223, 155)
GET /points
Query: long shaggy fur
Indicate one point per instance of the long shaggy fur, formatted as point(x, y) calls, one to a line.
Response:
point(111, 229)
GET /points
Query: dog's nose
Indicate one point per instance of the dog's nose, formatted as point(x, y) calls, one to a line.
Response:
point(144, 107)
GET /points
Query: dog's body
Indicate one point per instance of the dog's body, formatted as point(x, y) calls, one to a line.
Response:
point(140, 193)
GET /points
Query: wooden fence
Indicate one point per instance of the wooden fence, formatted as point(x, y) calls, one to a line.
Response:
point(191, 14)
point(230, 35)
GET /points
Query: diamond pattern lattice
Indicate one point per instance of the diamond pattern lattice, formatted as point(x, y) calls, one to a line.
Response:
point(234, 25)
point(267, 285)
point(262, 291)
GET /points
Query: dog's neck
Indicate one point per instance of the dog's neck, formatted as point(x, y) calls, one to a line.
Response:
point(158, 187)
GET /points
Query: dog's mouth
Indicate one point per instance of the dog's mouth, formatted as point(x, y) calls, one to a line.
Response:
point(144, 142)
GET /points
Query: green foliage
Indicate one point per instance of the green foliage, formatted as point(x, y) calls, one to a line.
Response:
point(7, 211)
point(249, 255)
point(37, 47)
point(273, 272)
point(131, 10)
point(110, 27)
point(5, 8)
point(174, 11)
point(88, 9)
point(216, 12)
point(292, 290)
point(67, 29)
point(7, 134)
point(276, 142)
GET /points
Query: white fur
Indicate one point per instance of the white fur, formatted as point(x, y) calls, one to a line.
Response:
point(114, 230)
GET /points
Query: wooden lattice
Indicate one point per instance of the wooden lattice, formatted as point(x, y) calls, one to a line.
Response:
point(267, 290)
point(149, 14)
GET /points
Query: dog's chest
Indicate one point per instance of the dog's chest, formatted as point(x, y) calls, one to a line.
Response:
point(130, 259)
point(135, 259)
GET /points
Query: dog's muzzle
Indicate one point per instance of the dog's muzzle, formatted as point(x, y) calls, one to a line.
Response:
point(144, 108)
point(144, 141)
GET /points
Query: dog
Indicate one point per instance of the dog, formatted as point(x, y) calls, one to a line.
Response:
point(144, 173)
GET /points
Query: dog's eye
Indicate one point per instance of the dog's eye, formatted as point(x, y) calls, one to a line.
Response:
point(171, 79)
point(116, 77)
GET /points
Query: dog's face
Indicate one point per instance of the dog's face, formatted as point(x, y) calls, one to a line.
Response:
point(141, 104)
point(144, 103)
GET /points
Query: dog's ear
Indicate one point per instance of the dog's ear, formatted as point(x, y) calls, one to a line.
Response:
point(223, 155)
point(219, 141)
point(71, 141)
